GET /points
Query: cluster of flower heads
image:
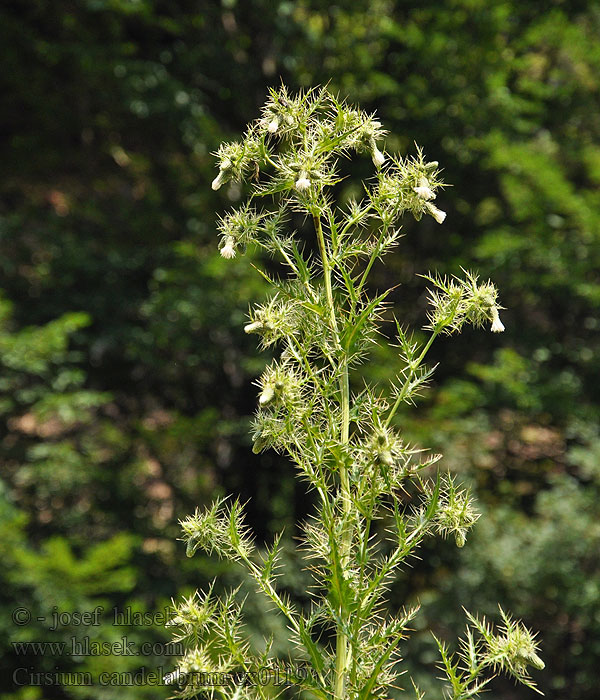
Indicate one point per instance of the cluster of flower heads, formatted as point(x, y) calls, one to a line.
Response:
point(456, 514)
point(384, 446)
point(238, 228)
point(385, 460)
point(362, 133)
point(511, 648)
point(237, 159)
point(457, 301)
point(211, 629)
point(297, 141)
point(274, 320)
point(280, 384)
point(282, 397)
point(219, 529)
point(410, 185)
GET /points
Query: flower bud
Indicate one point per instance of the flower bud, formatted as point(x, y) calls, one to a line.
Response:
point(437, 214)
point(260, 442)
point(534, 660)
point(191, 547)
point(273, 125)
point(385, 457)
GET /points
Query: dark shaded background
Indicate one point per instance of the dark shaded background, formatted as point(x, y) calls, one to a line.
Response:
point(125, 390)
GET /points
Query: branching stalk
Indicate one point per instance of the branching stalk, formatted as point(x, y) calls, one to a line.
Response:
point(305, 410)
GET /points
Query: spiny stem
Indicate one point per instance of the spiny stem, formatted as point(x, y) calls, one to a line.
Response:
point(341, 656)
point(341, 652)
point(413, 369)
point(326, 273)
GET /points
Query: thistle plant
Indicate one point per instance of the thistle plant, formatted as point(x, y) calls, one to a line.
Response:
point(376, 496)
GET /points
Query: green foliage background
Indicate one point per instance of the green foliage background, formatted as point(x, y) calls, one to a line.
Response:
point(126, 377)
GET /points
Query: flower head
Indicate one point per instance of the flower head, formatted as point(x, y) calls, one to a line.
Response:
point(219, 181)
point(437, 214)
point(497, 325)
point(228, 249)
point(377, 156)
point(385, 447)
point(267, 395)
point(302, 183)
point(253, 327)
point(225, 169)
point(423, 189)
